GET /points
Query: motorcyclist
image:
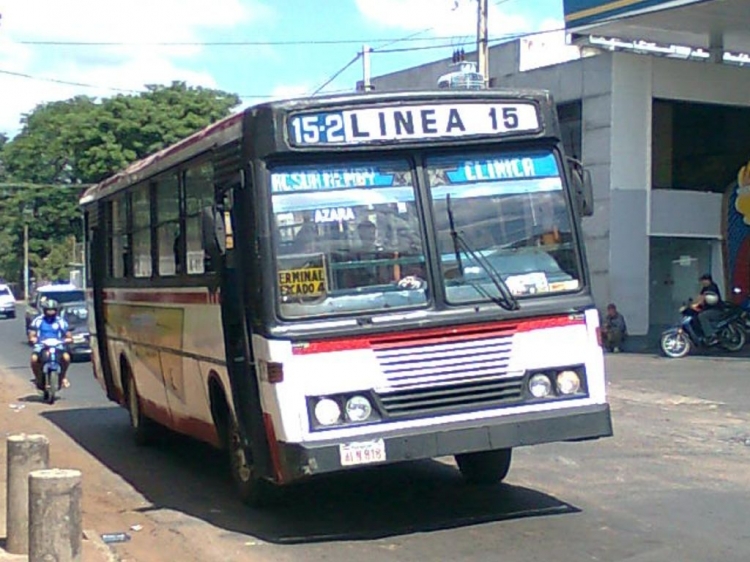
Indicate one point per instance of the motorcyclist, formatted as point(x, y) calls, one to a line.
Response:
point(49, 325)
point(709, 305)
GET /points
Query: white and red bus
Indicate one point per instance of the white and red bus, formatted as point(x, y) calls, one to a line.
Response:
point(326, 283)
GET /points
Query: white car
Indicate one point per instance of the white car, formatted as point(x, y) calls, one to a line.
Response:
point(7, 302)
point(63, 293)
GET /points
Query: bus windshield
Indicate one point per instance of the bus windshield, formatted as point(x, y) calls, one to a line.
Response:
point(348, 239)
point(511, 210)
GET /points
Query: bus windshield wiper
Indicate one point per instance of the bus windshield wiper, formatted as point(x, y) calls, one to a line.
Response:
point(506, 299)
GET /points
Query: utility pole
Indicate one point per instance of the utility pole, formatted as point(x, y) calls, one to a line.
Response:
point(483, 66)
point(25, 259)
point(366, 84)
point(27, 214)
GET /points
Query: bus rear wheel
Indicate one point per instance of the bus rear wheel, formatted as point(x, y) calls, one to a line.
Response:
point(143, 428)
point(252, 490)
point(485, 467)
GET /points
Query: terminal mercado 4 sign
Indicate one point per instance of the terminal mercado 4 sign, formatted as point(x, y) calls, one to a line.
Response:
point(411, 123)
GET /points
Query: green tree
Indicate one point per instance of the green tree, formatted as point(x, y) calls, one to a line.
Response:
point(52, 259)
point(53, 218)
point(64, 145)
point(82, 140)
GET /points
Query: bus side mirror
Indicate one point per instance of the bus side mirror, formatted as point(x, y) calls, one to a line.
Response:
point(582, 187)
point(213, 233)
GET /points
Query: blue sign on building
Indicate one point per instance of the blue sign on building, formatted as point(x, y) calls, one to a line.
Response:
point(586, 12)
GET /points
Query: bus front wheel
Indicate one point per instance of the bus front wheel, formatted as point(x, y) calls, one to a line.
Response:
point(484, 467)
point(252, 490)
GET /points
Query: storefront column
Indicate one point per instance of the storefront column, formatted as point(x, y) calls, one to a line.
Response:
point(630, 185)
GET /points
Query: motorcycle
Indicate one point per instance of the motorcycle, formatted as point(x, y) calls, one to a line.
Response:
point(679, 340)
point(51, 349)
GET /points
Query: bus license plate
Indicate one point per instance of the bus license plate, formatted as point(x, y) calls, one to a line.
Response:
point(365, 452)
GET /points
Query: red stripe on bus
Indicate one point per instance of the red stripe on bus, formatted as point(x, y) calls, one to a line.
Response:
point(197, 297)
point(434, 335)
point(551, 322)
point(327, 346)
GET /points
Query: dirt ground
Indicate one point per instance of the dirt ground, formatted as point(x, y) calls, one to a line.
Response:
point(108, 506)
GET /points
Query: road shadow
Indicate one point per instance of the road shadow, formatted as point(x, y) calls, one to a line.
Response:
point(188, 477)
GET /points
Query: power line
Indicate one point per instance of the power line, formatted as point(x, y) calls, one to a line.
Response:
point(338, 73)
point(100, 87)
point(68, 82)
point(380, 50)
point(293, 42)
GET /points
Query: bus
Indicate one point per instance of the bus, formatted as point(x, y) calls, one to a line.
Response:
point(317, 285)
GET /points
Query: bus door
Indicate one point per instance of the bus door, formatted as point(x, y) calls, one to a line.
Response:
point(228, 221)
point(98, 269)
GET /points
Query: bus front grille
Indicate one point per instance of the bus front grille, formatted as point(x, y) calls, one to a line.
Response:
point(448, 376)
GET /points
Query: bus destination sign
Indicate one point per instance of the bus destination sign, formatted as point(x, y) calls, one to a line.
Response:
point(411, 123)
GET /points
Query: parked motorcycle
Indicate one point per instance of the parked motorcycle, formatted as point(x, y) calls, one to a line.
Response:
point(679, 340)
point(49, 353)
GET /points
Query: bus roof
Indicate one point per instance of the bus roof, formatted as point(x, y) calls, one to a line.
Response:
point(230, 128)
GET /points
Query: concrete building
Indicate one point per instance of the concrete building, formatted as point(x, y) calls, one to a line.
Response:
point(664, 137)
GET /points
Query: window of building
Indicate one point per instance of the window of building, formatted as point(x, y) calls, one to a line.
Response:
point(199, 193)
point(698, 146)
point(141, 217)
point(168, 231)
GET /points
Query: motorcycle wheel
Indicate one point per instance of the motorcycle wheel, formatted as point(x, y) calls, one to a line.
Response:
point(675, 344)
point(51, 388)
point(733, 337)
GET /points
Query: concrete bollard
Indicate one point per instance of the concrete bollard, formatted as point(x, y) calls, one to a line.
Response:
point(25, 453)
point(55, 521)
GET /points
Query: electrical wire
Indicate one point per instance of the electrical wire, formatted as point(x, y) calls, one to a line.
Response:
point(337, 73)
point(379, 50)
point(68, 82)
point(294, 42)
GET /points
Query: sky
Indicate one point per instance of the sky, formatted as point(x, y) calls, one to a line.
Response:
point(259, 49)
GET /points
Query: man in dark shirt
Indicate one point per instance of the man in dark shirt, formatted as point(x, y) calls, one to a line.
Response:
point(709, 301)
point(614, 329)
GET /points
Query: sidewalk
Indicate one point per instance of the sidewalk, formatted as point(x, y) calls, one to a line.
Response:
point(19, 416)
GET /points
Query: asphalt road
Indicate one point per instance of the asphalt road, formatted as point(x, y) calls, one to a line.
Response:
point(671, 485)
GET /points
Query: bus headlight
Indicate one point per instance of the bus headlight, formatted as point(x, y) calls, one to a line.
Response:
point(540, 386)
point(327, 411)
point(358, 409)
point(568, 382)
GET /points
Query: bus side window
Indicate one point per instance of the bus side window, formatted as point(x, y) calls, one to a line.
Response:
point(119, 246)
point(199, 193)
point(141, 231)
point(168, 225)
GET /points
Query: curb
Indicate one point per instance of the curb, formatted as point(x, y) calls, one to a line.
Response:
point(88, 535)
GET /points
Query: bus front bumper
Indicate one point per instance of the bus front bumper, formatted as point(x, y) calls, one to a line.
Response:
point(298, 460)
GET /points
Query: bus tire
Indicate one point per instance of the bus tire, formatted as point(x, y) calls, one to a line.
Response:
point(485, 467)
point(251, 489)
point(144, 429)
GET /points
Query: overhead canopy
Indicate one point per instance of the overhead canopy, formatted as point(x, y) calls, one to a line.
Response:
point(695, 23)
